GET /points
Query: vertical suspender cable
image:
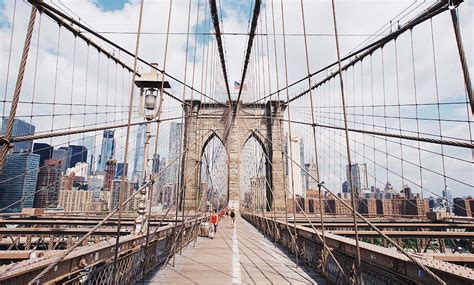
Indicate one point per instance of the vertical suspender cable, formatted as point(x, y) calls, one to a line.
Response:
point(270, 90)
point(435, 70)
point(279, 109)
point(127, 138)
point(196, 187)
point(182, 141)
point(416, 111)
point(313, 122)
point(353, 196)
point(290, 135)
point(155, 151)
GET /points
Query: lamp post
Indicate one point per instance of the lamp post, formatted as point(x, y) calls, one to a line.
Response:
point(150, 84)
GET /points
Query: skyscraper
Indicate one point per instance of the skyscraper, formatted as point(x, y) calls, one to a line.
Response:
point(44, 150)
point(111, 168)
point(61, 154)
point(302, 157)
point(139, 152)
point(359, 177)
point(76, 153)
point(89, 143)
point(49, 184)
point(18, 181)
point(313, 170)
point(121, 167)
point(20, 128)
point(174, 149)
point(295, 181)
point(107, 149)
point(156, 163)
point(448, 199)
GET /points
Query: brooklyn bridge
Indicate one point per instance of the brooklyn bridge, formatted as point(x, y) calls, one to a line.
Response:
point(236, 142)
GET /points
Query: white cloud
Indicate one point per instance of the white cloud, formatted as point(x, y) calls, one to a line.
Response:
point(106, 85)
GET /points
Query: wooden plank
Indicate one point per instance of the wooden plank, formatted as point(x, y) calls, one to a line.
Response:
point(213, 261)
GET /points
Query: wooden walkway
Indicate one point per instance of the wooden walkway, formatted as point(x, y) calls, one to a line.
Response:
point(237, 255)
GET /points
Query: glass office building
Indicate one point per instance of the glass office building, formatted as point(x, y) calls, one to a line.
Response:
point(20, 128)
point(107, 149)
point(18, 181)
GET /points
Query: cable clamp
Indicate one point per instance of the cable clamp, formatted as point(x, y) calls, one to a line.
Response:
point(6, 142)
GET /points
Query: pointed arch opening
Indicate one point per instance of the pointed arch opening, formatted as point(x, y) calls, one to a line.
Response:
point(213, 173)
point(255, 174)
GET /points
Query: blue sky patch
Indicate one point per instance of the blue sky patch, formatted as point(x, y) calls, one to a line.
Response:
point(3, 19)
point(110, 5)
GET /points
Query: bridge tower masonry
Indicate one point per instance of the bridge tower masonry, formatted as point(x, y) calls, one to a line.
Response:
point(262, 121)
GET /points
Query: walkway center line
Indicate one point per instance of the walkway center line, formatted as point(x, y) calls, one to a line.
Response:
point(236, 278)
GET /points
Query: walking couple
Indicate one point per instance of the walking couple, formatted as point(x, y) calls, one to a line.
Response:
point(214, 220)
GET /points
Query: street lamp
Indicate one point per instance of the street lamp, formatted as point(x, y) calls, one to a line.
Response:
point(150, 84)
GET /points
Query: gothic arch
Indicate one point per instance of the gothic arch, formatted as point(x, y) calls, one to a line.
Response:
point(214, 118)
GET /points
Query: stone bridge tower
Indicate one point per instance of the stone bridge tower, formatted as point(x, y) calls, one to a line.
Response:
point(205, 121)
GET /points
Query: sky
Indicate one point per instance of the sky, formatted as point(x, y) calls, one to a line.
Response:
point(78, 80)
point(110, 5)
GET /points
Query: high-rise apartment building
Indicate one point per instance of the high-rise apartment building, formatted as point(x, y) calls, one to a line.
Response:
point(368, 207)
point(336, 207)
point(49, 184)
point(75, 200)
point(416, 207)
point(107, 150)
point(464, 207)
point(20, 128)
point(110, 170)
point(80, 169)
point(18, 181)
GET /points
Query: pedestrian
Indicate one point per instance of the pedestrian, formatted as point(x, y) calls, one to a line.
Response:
point(214, 221)
point(226, 215)
point(232, 216)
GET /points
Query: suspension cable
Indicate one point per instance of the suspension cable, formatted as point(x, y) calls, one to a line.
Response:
point(19, 84)
point(390, 240)
point(42, 4)
point(349, 177)
point(215, 21)
point(253, 28)
point(313, 122)
point(127, 138)
point(358, 55)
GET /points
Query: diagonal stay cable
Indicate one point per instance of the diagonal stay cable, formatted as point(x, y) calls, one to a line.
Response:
point(84, 237)
point(42, 4)
point(361, 53)
point(220, 47)
point(410, 256)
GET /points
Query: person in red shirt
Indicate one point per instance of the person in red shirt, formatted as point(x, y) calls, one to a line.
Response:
point(214, 220)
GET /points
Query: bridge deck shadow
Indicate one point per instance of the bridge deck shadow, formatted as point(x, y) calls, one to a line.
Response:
point(240, 255)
